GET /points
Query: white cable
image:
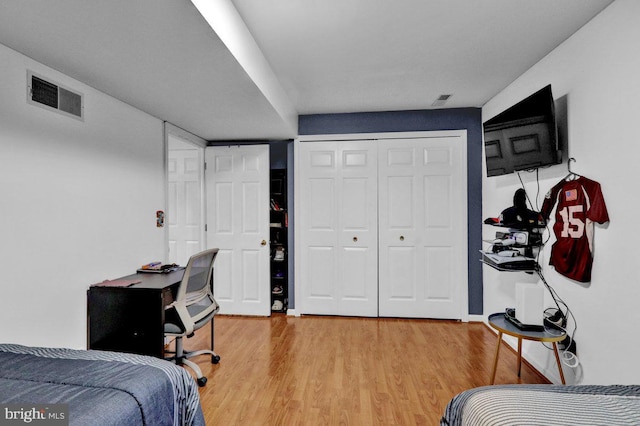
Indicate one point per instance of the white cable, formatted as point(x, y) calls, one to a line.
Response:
point(570, 359)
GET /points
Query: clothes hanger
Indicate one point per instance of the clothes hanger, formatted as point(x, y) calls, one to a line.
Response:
point(571, 175)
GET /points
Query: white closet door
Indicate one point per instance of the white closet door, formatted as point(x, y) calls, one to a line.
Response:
point(237, 179)
point(185, 204)
point(338, 228)
point(423, 227)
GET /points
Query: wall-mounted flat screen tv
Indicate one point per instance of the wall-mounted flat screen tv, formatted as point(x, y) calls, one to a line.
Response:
point(524, 137)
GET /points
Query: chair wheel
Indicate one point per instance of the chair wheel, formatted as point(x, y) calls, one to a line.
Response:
point(215, 359)
point(202, 381)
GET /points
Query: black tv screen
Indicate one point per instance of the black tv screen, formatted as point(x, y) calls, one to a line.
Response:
point(524, 137)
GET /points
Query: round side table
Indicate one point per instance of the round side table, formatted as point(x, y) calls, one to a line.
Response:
point(504, 326)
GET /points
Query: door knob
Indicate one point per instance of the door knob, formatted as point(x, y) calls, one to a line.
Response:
point(355, 239)
point(263, 243)
point(401, 237)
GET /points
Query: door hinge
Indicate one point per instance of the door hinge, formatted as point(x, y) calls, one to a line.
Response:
point(205, 227)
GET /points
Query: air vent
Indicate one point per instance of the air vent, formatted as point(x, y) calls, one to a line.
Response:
point(442, 99)
point(45, 93)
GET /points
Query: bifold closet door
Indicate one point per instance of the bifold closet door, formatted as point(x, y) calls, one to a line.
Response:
point(338, 228)
point(422, 227)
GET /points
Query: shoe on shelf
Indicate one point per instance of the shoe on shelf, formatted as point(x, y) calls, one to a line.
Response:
point(277, 305)
point(277, 289)
point(279, 254)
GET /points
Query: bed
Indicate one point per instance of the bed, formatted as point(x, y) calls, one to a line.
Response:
point(98, 387)
point(545, 405)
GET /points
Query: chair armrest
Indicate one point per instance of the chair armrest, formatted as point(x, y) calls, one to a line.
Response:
point(187, 322)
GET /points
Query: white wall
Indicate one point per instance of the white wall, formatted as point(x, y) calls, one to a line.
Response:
point(77, 204)
point(598, 70)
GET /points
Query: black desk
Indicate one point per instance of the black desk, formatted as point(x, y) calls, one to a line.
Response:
point(131, 319)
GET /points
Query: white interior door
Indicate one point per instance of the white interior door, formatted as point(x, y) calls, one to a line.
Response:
point(338, 228)
point(237, 180)
point(423, 227)
point(185, 205)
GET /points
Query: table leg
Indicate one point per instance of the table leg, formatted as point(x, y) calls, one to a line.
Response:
point(519, 356)
point(555, 352)
point(495, 359)
point(212, 337)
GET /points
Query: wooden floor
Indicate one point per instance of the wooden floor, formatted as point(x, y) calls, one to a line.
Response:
point(312, 370)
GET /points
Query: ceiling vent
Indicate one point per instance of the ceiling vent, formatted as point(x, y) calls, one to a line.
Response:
point(45, 93)
point(442, 99)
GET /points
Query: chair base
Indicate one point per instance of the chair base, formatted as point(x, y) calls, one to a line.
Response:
point(182, 356)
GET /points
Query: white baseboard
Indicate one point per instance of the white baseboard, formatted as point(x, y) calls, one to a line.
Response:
point(477, 318)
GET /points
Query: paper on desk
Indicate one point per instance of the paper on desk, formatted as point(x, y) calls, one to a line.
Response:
point(117, 283)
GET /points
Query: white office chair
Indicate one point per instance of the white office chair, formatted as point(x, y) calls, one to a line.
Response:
point(193, 308)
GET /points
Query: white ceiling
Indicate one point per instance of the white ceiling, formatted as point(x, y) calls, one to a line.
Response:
point(200, 69)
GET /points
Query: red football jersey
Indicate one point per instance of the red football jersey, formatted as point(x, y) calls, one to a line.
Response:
point(579, 204)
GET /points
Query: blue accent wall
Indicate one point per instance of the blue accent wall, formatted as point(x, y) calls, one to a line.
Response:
point(469, 119)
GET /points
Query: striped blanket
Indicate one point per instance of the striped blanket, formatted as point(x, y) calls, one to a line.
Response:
point(540, 405)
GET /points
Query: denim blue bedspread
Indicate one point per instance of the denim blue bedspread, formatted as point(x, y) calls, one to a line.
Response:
point(100, 388)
